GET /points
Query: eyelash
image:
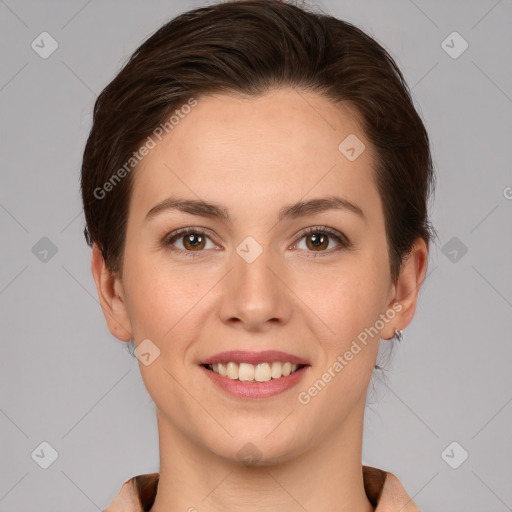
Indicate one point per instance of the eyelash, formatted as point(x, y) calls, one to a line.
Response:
point(344, 242)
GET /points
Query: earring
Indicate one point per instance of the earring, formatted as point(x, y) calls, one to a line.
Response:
point(398, 335)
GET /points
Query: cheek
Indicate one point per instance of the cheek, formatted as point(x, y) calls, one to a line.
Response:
point(165, 300)
point(347, 297)
point(349, 308)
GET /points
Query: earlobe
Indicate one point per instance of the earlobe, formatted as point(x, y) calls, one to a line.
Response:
point(407, 287)
point(111, 297)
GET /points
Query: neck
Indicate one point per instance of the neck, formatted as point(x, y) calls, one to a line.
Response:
point(327, 477)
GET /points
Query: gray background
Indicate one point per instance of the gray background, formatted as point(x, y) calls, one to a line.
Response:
point(65, 380)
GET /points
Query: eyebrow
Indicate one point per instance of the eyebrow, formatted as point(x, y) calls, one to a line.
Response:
point(293, 211)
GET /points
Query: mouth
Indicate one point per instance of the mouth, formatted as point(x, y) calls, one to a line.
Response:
point(248, 366)
point(261, 372)
point(254, 375)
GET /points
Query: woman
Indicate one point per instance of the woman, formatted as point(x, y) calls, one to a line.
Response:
point(255, 187)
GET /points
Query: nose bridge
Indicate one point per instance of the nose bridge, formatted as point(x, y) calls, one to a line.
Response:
point(252, 292)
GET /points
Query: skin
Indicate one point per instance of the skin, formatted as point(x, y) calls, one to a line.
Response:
point(253, 156)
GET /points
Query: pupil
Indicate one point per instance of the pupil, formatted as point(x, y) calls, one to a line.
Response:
point(191, 238)
point(317, 240)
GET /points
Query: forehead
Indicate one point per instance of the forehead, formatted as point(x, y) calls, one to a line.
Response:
point(284, 143)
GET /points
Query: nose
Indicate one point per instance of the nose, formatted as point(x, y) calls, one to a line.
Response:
point(256, 295)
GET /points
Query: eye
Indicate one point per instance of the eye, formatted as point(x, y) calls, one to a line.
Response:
point(318, 239)
point(191, 240)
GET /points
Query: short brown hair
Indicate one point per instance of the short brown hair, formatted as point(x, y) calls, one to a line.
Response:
point(250, 47)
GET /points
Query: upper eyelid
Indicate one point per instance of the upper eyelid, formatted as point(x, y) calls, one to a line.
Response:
point(185, 231)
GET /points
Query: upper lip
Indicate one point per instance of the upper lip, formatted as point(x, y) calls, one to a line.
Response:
point(241, 356)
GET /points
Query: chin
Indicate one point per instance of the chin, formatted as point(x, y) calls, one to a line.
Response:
point(259, 449)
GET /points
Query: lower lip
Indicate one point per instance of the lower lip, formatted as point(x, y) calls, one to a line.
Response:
point(267, 389)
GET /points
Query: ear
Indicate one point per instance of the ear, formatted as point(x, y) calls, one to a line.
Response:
point(111, 296)
point(405, 291)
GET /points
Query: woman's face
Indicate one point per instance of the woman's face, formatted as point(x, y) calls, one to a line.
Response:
point(252, 279)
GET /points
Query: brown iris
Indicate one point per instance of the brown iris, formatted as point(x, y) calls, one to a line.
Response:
point(317, 241)
point(196, 241)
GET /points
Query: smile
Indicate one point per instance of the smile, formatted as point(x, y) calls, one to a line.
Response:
point(246, 372)
point(236, 387)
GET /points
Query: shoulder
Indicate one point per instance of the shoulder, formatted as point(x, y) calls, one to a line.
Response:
point(386, 491)
point(136, 495)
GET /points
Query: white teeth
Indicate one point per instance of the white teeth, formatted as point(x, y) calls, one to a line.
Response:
point(261, 372)
point(245, 372)
point(232, 370)
point(222, 370)
point(276, 370)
